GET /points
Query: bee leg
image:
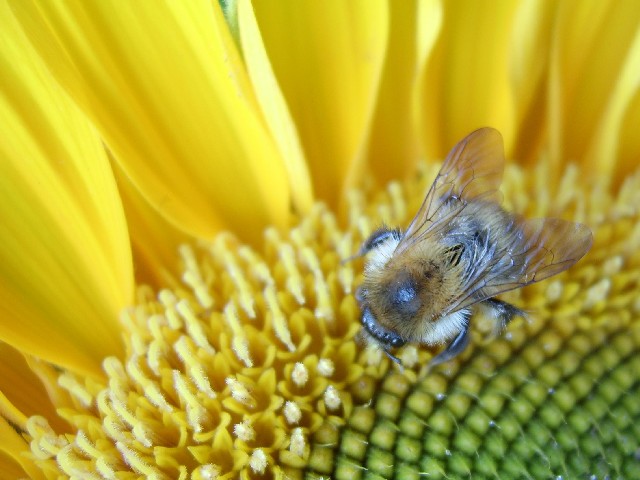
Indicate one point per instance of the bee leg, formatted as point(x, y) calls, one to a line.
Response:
point(393, 358)
point(455, 348)
point(502, 313)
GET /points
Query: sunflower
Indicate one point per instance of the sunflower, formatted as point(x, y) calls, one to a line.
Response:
point(182, 180)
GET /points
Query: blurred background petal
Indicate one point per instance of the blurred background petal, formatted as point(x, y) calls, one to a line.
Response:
point(328, 58)
point(65, 262)
point(394, 145)
point(13, 461)
point(167, 89)
point(274, 107)
point(22, 392)
point(466, 83)
point(594, 77)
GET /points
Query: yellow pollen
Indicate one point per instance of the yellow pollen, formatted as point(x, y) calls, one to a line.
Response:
point(71, 463)
point(244, 431)
point(139, 466)
point(325, 367)
point(612, 266)
point(112, 426)
point(47, 443)
point(294, 283)
point(373, 355)
point(240, 392)
point(193, 277)
point(196, 412)
point(554, 290)
point(206, 472)
point(244, 293)
point(300, 374)
point(398, 203)
point(156, 352)
point(346, 276)
point(409, 356)
point(85, 446)
point(149, 387)
point(168, 300)
point(186, 350)
point(278, 318)
point(332, 398)
point(258, 268)
point(298, 444)
point(77, 390)
point(292, 412)
point(597, 293)
point(142, 434)
point(324, 308)
point(240, 343)
point(194, 326)
point(106, 469)
point(118, 402)
point(258, 461)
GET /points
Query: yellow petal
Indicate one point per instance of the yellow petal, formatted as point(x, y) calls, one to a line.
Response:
point(22, 394)
point(593, 80)
point(154, 240)
point(629, 151)
point(466, 82)
point(528, 69)
point(327, 57)
point(604, 145)
point(65, 262)
point(13, 461)
point(393, 146)
point(275, 109)
point(169, 93)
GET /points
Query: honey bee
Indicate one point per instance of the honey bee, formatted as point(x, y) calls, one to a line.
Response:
point(460, 251)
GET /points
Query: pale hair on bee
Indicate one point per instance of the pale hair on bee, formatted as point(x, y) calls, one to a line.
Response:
point(460, 251)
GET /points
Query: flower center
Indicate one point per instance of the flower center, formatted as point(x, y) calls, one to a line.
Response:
point(249, 363)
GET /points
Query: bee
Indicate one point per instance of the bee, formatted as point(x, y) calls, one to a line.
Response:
point(460, 251)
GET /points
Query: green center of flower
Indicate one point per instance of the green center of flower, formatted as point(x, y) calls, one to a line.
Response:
point(248, 366)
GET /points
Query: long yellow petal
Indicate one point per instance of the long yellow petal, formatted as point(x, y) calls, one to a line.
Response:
point(21, 392)
point(65, 262)
point(466, 82)
point(528, 69)
point(274, 108)
point(169, 93)
point(327, 57)
point(152, 258)
point(13, 461)
point(629, 150)
point(593, 80)
point(605, 143)
point(393, 146)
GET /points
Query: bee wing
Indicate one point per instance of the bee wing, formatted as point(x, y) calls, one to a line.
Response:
point(472, 170)
point(539, 249)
